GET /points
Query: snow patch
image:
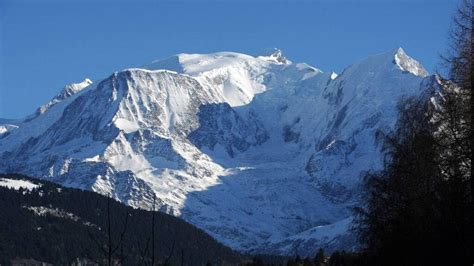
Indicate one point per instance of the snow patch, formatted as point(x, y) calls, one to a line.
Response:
point(17, 184)
point(6, 128)
point(43, 211)
point(126, 125)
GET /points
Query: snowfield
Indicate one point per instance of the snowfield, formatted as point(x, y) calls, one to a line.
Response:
point(264, 154)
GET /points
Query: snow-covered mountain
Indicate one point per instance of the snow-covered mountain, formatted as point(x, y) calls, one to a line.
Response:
point(264, 154)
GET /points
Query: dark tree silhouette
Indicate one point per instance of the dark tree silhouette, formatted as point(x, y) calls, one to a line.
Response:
point(400, 215)
point(455, 137)
point(112, 246)
point(319, 259)
point(153, 231)
point(421, 203)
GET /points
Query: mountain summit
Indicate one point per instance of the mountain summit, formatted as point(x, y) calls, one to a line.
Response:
point(264, 154)
point(275, 55)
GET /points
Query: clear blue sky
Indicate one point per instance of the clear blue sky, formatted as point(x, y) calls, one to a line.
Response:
point(47, 44)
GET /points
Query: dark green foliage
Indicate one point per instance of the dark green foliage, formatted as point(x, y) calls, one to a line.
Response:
point(338, 258)
point(256, 262)
point(319, 259)
point(59, 240)
point(348, 259)
point(261, 259)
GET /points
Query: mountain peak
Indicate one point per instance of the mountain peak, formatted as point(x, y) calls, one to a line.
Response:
point(65, 93)
point(394, 59)
point(73, 88)
point(275, 55)
point(406, 63)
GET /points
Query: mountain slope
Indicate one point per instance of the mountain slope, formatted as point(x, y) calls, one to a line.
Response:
point(260, 152)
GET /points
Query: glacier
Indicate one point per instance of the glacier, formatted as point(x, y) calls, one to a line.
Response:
point(264, 154)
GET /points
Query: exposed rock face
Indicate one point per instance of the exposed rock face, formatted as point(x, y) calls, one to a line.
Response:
point(221, 125)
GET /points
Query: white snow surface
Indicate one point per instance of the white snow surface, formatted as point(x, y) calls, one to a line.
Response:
point(7, 127)
point(264, 154)
point(17, 184)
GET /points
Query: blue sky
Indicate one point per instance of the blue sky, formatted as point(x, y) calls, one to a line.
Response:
point(47, 44)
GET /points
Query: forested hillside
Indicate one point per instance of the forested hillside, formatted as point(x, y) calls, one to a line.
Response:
point(46, 222)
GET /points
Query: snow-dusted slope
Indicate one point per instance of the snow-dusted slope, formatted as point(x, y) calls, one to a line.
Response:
point(262, 153)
